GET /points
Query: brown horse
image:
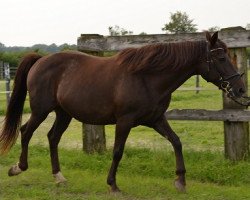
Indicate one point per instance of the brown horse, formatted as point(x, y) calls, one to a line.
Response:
point(129, 89)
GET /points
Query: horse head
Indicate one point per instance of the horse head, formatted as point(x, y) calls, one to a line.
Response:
point(220, 70)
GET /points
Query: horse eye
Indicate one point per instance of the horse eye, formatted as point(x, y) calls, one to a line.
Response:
point(222, 59)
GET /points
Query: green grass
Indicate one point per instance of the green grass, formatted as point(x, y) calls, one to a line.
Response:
point(143, 174)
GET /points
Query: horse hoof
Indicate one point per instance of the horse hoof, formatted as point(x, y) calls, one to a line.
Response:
point(14, 170)
point(115, 190)
point(59, 178)
point(180, 186)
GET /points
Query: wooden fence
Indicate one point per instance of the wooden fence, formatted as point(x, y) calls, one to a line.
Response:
point(235, 117)
point(5, 73)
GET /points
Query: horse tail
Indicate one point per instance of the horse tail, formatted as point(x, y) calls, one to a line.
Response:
point(13, 118)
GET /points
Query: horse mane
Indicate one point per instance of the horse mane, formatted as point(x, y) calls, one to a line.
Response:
point(162, 56)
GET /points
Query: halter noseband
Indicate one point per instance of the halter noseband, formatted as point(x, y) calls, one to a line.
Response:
point(225, 85)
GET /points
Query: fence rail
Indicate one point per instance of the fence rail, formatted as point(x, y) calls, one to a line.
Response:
point(209, 115)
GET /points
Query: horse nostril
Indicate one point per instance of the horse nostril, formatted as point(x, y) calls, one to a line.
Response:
point(241, 91)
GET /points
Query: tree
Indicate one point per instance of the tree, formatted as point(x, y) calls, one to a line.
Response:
point(214, 29)
point(248, 27)
point(180, 23)
point(66, 46)
point(116, 31)
point(1, 45)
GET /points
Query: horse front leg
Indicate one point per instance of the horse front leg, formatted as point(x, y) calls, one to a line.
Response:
point(166, 131)
point(121, 134)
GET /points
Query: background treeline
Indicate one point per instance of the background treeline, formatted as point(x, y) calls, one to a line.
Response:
point(12, 55)
point(52, 48)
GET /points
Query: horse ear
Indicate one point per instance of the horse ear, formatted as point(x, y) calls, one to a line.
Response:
point(208, 36)
point(214, 38)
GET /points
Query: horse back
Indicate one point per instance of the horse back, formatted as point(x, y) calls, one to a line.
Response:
point(82, 85)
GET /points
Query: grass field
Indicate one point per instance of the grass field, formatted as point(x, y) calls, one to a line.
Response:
point(147, 168)
point(146, 171)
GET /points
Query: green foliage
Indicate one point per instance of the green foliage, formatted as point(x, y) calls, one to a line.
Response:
point(117, 31)
point(66, 46)
point(42, 48)
point(248, 27)
point(2, 45)
point(214, 29)
point(143, 33)
point(180, 23)
point(14, 57)
point(11, 58)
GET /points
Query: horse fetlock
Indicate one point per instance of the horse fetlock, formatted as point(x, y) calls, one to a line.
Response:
point(59, 178)
point(110, 181)
point(114, 189)
point(15, 170)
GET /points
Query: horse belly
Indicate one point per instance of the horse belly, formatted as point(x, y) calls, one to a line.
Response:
point(88, 107)
point(95, 117)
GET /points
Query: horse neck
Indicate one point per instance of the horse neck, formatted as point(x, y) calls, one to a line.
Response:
point(174, 78)
point(168, 83)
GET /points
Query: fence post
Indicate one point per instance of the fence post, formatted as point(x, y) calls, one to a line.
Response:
point(1, 70)
point(7, 81)
point(236, 134)
point(93, 135)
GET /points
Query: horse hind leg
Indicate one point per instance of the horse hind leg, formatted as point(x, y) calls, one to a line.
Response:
point(60, 125)
point(15, 170)
point(27, 131)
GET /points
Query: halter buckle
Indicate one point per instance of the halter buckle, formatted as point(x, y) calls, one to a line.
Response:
point(225, 86)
